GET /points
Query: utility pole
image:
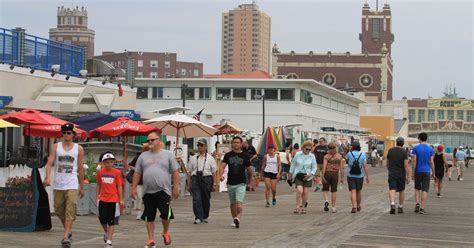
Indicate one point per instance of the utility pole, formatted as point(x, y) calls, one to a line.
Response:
point(183, 95)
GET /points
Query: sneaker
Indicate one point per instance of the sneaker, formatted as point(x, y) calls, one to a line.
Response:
point(205, 221)
point(400, 210)
point(237, 222)
point(267, 205)
point(354, 210)
point(150, 244)
point(438, 195)
point(305, 204)
point(108, 244)
point(247, 189)
point(274, 202)
point(139, 215)
point(66, 243)
point(197, 221)
point(317, 189)
point(417, 208)
point(69, 236)
point(422, 211)
point(333, 209)
point(460, 179)
point(359, 208)
point(232, 224)
point(105, 237)
point(326, 206)
point(392, 209)
point(167, 238)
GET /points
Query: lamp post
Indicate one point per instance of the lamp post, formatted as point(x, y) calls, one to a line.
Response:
point(258, 97)
point(183, 95)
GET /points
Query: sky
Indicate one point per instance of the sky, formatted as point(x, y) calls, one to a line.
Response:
point(433, 39)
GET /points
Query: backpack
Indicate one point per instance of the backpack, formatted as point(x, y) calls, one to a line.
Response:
point(356, 168)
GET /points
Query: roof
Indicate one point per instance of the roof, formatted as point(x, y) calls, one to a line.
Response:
point(399, 124)
point(255, 74)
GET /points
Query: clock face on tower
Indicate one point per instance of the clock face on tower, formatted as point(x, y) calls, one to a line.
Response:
point(366, 80)
point(329, 79)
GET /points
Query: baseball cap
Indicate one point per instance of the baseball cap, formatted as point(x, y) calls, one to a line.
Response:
point(202, 141)
point(271, 146)
point(440, 147)
point(68, 127)
point(460, 147)
point(107, 155)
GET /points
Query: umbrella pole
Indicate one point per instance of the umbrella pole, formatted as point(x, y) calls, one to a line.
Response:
point(177, 140)
point(124, 149)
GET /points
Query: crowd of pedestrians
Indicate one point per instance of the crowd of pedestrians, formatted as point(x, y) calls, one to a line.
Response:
point(317, 163)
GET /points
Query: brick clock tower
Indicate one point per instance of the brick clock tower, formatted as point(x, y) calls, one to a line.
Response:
point(369, 72)
point(376, 33)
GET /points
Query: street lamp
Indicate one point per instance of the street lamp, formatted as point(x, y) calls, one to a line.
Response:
point(258, 97)
point(183, 95)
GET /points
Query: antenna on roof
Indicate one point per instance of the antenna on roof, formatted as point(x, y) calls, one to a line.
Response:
point(377, 5)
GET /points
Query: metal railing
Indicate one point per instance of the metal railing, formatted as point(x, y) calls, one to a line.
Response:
point(19, 48)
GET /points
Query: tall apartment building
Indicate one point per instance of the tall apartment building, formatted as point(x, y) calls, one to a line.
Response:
point(154, 65)
point(72, 28)
point(245, 40)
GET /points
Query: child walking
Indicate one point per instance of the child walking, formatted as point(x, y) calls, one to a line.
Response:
point(109, 193)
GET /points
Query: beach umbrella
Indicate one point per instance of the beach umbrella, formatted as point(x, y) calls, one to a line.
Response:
point(267, 139)
point(123, 126)
point(281, 136)
point(181, 126)
point(93, 121)
point(6, 124)
point(51, 131)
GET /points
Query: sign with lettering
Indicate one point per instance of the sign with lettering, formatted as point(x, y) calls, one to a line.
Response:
point(129, 113)
point(450, 103)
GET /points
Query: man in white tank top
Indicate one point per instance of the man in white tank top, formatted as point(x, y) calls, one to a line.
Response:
point(67, 158)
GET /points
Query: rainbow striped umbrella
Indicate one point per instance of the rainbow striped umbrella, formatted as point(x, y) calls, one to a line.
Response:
point(269, 137)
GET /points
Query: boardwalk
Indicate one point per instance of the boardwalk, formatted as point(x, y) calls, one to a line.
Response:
point(449, 222)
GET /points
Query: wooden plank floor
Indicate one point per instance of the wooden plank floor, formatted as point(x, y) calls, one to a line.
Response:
point(449, 222)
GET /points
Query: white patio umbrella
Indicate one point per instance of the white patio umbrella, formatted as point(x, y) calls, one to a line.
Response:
point(181, 126)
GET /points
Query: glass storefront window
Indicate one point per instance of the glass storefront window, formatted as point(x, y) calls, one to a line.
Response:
point(431, 115)
point(421, 115)
point(440, 115)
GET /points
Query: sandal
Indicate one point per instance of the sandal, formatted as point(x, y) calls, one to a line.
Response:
point(303, 211)
point(296, 211)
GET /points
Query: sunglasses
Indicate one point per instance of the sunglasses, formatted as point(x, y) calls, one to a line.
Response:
point(200, 144)
point(307, 149)
point(68, 133)
point(151, 140)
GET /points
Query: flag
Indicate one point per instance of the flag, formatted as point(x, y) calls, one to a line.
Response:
point(198, 115)
point(120, 90)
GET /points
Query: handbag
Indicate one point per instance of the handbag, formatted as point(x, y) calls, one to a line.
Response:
point(129, 177)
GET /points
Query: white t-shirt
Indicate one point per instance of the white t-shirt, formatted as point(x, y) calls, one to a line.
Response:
point(206, 164)
point(65, 168)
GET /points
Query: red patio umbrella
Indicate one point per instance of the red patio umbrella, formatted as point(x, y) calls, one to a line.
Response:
point(32, 117)
point(51, 131)
point(122, 127)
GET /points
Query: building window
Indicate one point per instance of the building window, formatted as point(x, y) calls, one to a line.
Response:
point(411, 115)
point(205, 93)
point(196, 73)
point(167, 64)
point(139, 74)
point(460, 115)
point(153, 63)
point(183, 72)
point(375, 28)
point(239, 94)
point(223, 94)
point(421, 115)
point(256, 94)
point(167, 75)
point(470, 116)
point(440, 115)
point(305, 96)
point(450, 114)
point(329, 79)
point(287, 94)
point(431, 115)
point(69, 20)
point(271, 94)
point(189, 93)
point(157, 92)
point(142, 92)
point(139, 63)
point(154, 74)
point(366, 80)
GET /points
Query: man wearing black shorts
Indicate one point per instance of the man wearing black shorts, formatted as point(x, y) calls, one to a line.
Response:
point(397, 165)
point(157, 167)
point(423, 166)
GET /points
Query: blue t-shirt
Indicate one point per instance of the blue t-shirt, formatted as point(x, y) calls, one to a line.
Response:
point(423, 154)
point(351, 157)
point(460, 155)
